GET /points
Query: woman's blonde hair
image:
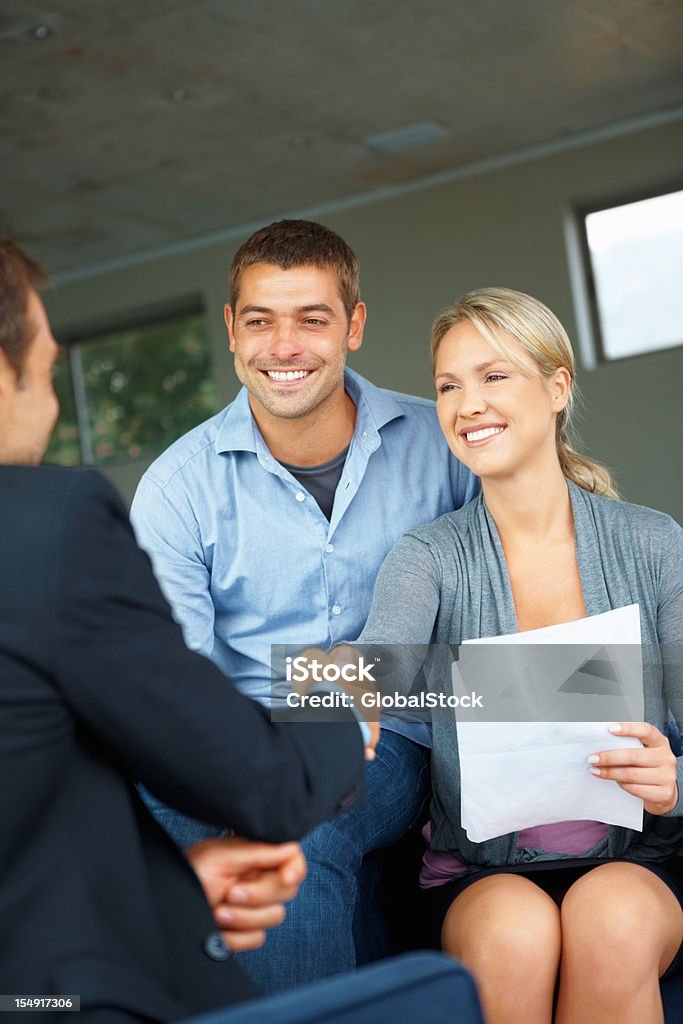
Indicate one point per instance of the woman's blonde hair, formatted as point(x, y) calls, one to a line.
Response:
point(495, 312)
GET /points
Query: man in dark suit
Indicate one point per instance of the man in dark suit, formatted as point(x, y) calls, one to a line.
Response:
point(98, 692)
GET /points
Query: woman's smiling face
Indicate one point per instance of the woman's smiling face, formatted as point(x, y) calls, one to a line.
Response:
point(498, 416)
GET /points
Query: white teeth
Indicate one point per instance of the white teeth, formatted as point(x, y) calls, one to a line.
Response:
point(479, 435)
point(288, 374)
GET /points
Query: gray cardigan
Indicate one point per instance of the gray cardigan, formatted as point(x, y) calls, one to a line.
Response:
point(448, 582)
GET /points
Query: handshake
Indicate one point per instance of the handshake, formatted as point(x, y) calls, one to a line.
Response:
point(341, 669)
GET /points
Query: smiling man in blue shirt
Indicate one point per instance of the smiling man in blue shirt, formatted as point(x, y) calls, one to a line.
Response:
point(268, 523)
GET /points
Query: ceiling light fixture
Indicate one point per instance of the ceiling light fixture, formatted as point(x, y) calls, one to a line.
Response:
point(39, 31)
point(419, 134)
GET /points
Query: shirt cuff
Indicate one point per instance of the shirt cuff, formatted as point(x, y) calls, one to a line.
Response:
point(362, 724)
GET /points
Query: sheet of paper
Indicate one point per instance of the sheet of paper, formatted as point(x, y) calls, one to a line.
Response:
point(517, 772)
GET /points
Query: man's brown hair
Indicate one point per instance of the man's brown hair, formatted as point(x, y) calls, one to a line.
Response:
point(18, 273)
point(299, 243)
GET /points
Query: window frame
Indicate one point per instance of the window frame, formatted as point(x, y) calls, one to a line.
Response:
point(75, 338)
point(582, 276)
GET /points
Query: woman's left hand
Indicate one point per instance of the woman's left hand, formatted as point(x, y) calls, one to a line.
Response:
point(648, 771)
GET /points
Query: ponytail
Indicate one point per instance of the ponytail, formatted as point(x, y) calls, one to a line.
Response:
point(588, 475)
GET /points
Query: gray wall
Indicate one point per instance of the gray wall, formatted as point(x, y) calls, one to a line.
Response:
point(421, 249)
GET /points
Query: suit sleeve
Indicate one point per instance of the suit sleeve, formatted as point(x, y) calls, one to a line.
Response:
point(167, 715)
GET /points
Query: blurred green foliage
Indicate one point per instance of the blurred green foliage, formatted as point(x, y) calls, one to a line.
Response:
point(144, 387)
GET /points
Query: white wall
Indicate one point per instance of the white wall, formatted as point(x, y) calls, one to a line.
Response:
point(421, 249)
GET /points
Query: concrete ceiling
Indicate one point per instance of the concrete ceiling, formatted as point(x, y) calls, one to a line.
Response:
point(133, 125)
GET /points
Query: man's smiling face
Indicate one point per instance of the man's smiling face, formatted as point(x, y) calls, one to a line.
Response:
point(290, 335)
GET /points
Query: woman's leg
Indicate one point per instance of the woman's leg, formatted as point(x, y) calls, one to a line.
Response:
point(507, 932)
point(621, 928)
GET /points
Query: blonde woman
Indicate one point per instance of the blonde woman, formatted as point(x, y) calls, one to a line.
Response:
point(578, 919)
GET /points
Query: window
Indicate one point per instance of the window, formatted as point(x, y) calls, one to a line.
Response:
point(630, 276)
point(127, 394)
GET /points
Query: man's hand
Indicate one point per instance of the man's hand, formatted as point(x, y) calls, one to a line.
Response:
point(247, 884)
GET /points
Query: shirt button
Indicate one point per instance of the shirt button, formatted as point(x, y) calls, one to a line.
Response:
point(336, 610)
point(215, 947)
point(300, 496)
point(329, 548)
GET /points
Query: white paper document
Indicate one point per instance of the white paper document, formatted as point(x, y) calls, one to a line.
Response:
point(516, 774)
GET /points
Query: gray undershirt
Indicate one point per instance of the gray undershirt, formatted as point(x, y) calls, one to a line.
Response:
point(321, 481)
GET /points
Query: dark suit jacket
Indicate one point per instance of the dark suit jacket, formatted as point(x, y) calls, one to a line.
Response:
point(97, 692)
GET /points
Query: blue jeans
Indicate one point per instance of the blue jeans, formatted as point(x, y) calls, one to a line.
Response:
point(183, 830)
point(316, 938)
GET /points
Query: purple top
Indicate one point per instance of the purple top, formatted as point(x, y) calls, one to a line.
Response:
point(572, 837)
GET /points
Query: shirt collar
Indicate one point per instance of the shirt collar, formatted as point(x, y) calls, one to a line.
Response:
point(237, 432)
point(376, 407)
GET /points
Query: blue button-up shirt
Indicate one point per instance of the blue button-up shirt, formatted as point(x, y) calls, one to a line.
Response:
point(246, 557)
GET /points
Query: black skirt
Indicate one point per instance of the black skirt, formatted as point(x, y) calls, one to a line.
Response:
point(554, 877)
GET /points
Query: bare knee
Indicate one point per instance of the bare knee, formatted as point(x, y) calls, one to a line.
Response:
point(507, 932)
point(508, 928)
point(618, 923)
